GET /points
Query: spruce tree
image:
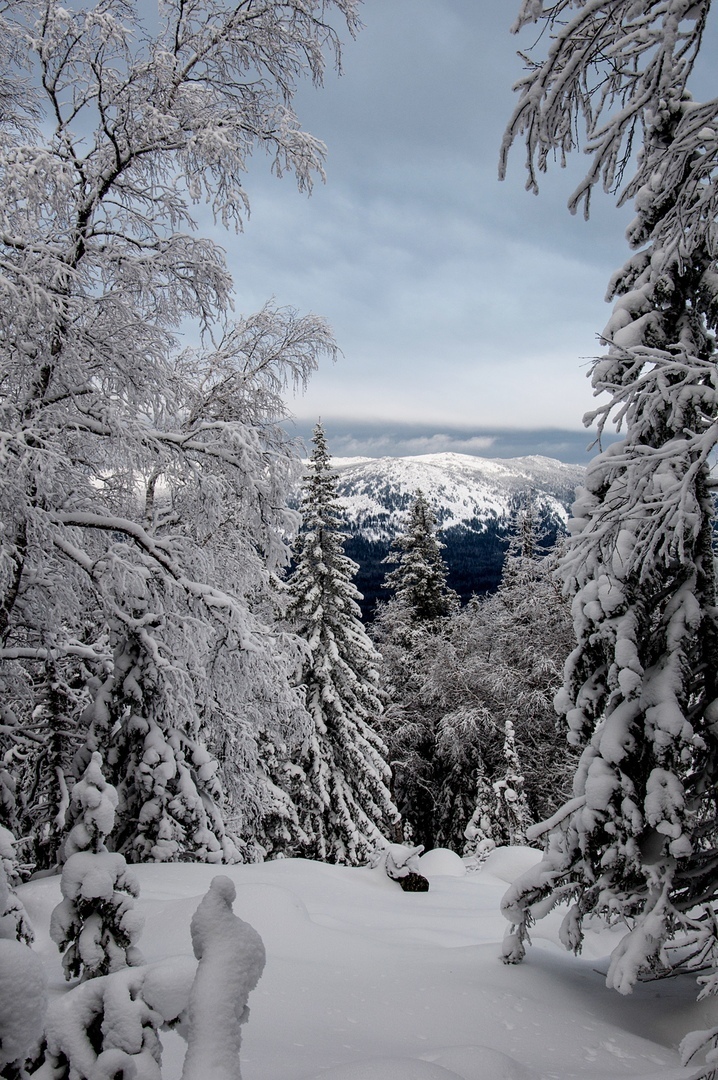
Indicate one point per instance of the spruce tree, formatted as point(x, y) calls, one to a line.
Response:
point(407, 630)
point(342, 796)
point(638, 839)
point(512, 812)
point(95, 923)
point(418, 582)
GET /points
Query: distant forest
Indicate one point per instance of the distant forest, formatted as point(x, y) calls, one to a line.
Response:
point(474, 554)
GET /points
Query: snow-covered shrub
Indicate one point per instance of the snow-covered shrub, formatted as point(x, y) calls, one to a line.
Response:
point(399, 860)
point(95, 921)
point(14, 922)
point(401, 863)
point(23, 1000)
point(108, 1028)
point(231, 960)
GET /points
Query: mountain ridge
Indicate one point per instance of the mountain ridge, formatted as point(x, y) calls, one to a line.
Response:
point(474, 500)
point(460, 488)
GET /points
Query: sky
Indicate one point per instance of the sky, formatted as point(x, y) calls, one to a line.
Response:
point(466, 309)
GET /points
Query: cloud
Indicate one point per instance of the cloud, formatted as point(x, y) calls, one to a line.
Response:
point(351, 438)
point(457, 301)
point(442, 443)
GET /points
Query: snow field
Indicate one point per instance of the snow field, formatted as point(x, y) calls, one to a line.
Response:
point(366, 982)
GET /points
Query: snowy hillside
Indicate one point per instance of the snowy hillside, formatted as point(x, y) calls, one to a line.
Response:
point(365, 982)
point(473, 499)
point(462, 490)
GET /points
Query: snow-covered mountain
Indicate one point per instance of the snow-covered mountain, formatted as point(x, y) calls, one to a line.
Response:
point(463, 491)
point(473, 498)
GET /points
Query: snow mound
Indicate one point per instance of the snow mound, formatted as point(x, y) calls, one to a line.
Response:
point(389, 1069)
point(509, 863)
point(441, 862)
point(481, 1063)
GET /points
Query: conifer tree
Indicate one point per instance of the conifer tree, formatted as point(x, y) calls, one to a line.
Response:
point(94, 922)
point(342, 796)
point(638, 839)
point(418, 582)
point(479, 833)
point(170, 802)
point(407, 629)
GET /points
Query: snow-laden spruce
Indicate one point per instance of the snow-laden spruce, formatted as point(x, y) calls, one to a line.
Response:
point(512, 807)
point(143, 494)
point(638, 839)
point(407, 631)
point(95, 924)
point(341, 793)
point(418, 580)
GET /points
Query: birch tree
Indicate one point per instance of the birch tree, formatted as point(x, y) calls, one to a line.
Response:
point(143, 489)
point(637, 840)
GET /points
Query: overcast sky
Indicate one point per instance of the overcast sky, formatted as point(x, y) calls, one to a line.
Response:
point(465, 308)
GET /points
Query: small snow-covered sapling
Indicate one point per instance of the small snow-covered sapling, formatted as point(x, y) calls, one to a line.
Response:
point(95, 921)
point(14, 922)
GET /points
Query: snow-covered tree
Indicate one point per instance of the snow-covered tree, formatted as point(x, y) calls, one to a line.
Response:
point(479, 833)
point(143, 489)
point(638, 839)
point(458, 681)
point(170, 799)
point(279, 832)
point(512, 810)
point(418, 580)
point(342, 796)
point(94, 922)
point(14, 922)
point(231, 960)
point(406, 632)
point(110, 1026)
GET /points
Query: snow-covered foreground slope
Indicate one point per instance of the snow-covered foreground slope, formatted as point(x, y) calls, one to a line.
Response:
point(365, 982)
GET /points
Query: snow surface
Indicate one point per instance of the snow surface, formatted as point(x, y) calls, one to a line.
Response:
point(23, 1000)
point(366, 982)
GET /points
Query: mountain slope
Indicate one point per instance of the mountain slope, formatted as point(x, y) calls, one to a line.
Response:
point(473, 499)
point(462, 490)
